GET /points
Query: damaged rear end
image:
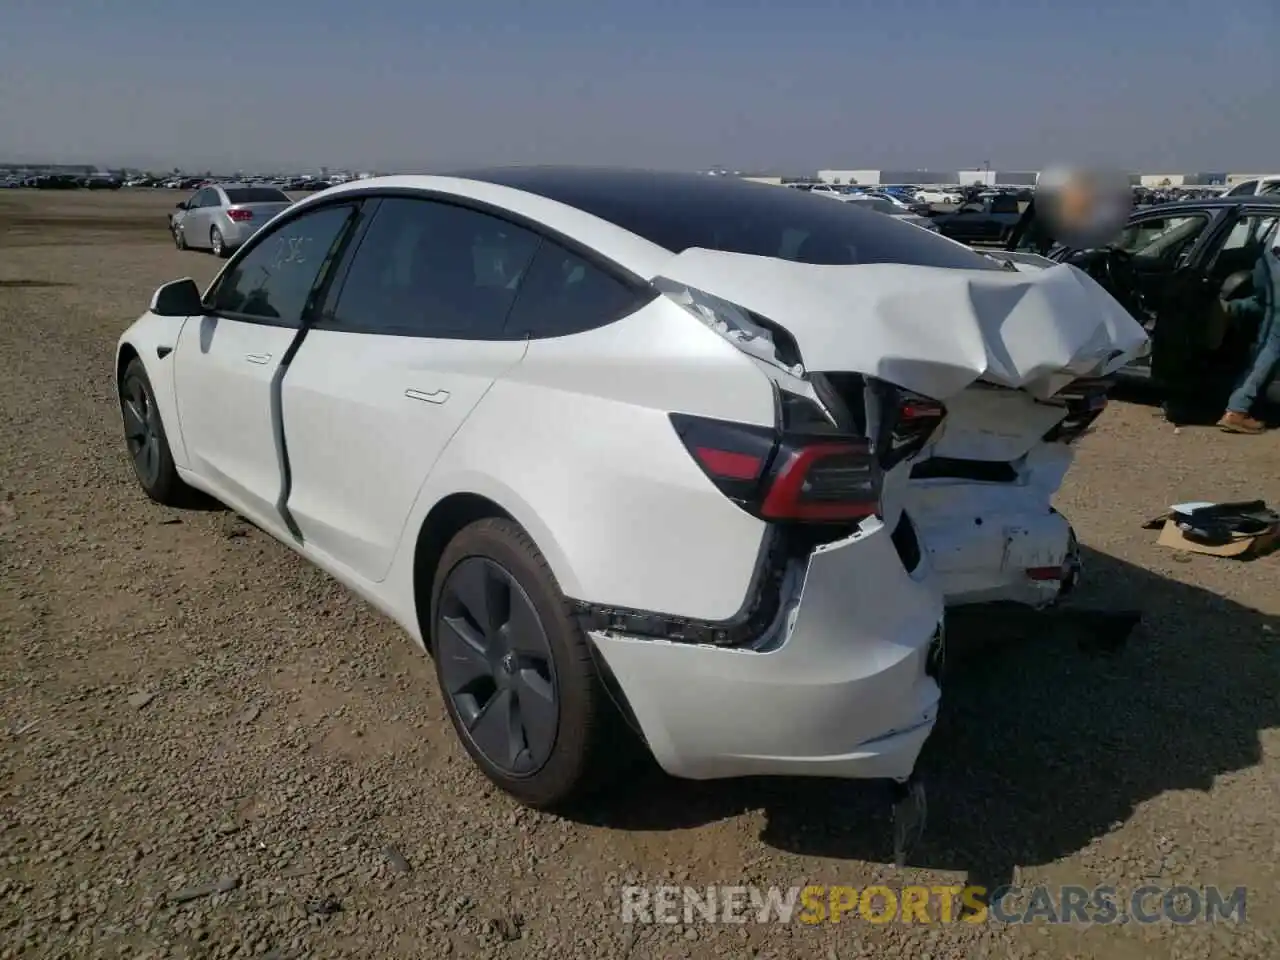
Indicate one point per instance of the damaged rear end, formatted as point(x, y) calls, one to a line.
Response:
point(1015, 366)
point(982, 493)
point(833, 667)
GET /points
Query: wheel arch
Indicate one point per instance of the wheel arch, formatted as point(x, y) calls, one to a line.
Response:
point(153, 341)
point(126, 353)
point(444, 521)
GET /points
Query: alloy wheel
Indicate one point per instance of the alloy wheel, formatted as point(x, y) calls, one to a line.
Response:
point(496, 665)
point(141, 430)
point(215, 242)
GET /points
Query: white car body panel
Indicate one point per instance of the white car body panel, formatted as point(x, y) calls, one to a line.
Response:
point(982, 538)
point(997, 425)
point(359, 410)
point(224, 371)
point(154, 339)
point(589, 490)
point(843, 695)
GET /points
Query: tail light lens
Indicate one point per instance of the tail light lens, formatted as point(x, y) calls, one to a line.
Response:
point(909, 421)
point(785, 477)
point(240, 216)
point(1085, 400)
point(823, 482)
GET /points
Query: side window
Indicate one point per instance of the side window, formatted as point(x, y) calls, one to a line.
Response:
point(1243, 189)
point(198, 200)
point(1243, 244)
point(273, 280)
point(564, 294)
point(1004, 204)
point(1162, 239)
point(433, 269)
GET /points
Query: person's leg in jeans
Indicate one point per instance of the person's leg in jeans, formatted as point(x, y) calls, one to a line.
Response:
point(1239, 415)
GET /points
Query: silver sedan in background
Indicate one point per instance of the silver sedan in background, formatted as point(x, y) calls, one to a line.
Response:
point(222, 216)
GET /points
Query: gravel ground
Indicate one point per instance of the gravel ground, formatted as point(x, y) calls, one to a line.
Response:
point(213, 750)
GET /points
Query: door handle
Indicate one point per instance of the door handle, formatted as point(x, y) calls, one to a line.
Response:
point(436, 396)
point(258, 358)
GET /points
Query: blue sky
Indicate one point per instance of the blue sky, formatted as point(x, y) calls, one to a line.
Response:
point(398, 84)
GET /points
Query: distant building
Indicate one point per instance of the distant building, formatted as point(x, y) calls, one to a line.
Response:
point(865, 178)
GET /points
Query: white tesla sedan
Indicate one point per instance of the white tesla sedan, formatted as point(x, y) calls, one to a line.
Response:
point(620, 449)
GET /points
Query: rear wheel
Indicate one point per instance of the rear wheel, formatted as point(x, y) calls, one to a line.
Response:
point(146, 441)
point(216, 243)
point(517, 673)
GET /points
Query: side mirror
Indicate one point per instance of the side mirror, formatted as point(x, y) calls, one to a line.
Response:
point(177, 298)
point(181, 205)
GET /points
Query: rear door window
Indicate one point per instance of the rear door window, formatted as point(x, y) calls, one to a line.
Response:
point(432, 269)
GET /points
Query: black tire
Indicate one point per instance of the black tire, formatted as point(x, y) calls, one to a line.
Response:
point(216, 243)
point(590, 737)
point(146, 441)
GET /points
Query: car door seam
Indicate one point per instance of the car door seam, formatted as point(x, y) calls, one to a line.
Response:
point(317, 295)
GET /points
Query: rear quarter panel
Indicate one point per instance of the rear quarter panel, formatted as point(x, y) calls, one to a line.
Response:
point(575, 443)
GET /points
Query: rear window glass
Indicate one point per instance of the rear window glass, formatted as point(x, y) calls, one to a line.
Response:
point(256, 195)
point(678, 211)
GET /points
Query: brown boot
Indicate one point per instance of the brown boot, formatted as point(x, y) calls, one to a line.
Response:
point(1233, 422)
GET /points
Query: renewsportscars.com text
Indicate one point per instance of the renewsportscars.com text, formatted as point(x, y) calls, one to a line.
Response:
point(816, 904)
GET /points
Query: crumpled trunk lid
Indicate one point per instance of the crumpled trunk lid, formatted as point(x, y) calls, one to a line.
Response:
point(931, 330)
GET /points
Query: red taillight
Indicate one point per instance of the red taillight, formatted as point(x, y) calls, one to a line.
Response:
point(912, 421)
point(1043, 574)
point(779, 476)
point(824, 482)
point(240, 216)
point(728, 464)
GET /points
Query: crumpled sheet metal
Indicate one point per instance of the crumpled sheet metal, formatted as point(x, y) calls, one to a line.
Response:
point(932, 330)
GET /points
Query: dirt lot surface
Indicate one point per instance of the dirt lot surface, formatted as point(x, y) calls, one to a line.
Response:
point(210, 749)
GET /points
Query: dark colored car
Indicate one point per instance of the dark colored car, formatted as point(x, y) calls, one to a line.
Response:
point(1170, 267)
point(989, 219)
point(56, 181)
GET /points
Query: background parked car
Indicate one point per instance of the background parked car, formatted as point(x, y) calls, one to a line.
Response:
point(1169, 267)
point(1267, 185)
point(222, 217)
point(989, 219)
point(899, 211)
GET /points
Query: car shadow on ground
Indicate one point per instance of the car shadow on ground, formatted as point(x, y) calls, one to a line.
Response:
point(1041, 747)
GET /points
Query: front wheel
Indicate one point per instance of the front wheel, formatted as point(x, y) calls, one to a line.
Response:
point(146, 441)
point(517, 673)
